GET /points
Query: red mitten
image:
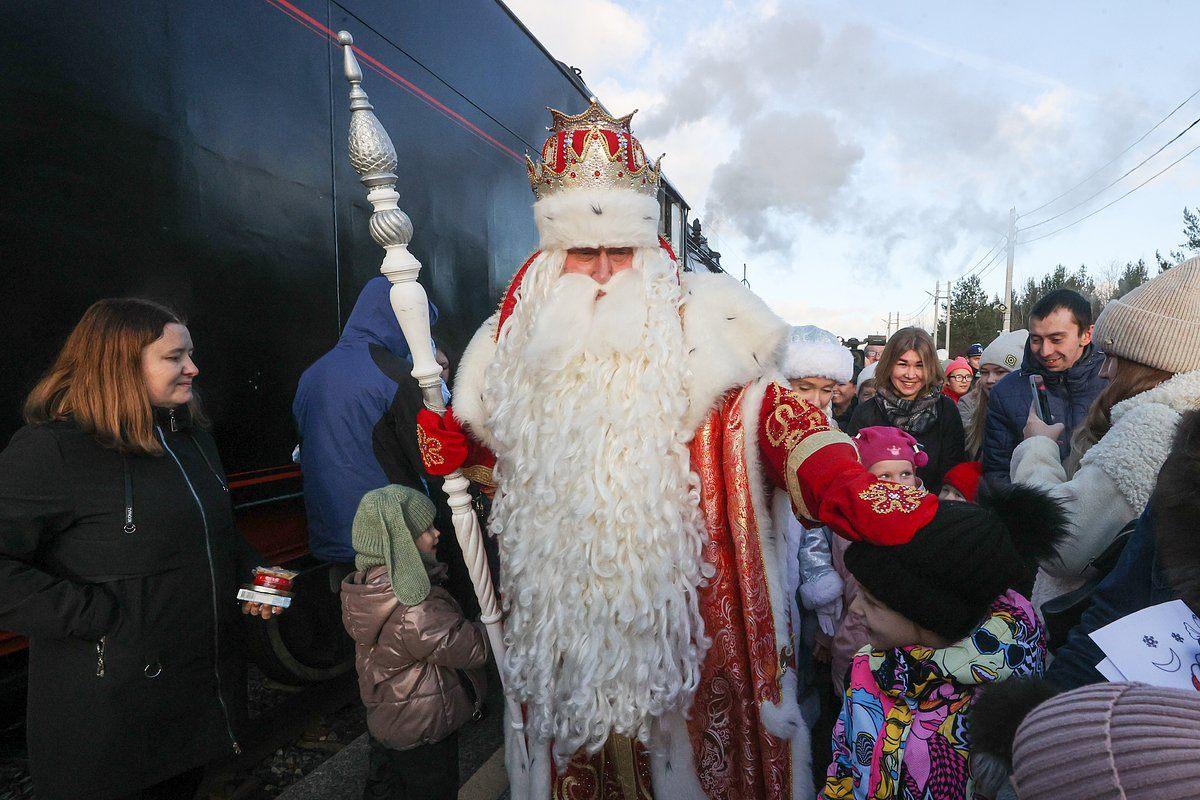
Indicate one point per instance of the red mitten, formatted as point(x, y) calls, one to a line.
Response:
point(442, 441)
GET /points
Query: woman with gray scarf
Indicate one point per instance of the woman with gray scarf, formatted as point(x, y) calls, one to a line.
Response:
point(909, 397)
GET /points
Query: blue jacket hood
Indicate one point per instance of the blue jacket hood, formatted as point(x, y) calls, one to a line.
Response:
point(372, 321)
point(339, 400)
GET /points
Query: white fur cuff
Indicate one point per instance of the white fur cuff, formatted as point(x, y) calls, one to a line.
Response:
point(595, 218)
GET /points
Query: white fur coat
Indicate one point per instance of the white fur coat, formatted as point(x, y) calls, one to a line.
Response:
point(1114, 481)
point(733, 340)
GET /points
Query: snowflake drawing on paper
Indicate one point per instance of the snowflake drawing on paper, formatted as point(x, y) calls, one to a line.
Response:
point(1150, 641)
point(1177, 637)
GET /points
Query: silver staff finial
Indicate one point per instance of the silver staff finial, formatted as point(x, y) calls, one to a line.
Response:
point(374, 158)
point(371, 150)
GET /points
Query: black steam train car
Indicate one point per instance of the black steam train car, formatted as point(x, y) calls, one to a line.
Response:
point(196, 153)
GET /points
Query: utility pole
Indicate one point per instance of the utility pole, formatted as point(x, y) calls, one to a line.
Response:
point(887, 323)
point(949, 311)
point(1012, 247)
point(937, 311)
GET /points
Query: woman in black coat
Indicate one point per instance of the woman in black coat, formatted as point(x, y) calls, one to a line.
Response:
point(909, 396)
point(120, 561)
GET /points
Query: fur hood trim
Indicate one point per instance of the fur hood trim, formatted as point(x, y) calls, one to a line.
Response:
point(1176, 506)
point(595, 218)
point(732, 337)
point(1134, 449)
point(468, 402)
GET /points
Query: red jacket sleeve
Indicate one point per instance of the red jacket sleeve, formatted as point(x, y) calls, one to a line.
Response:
point(819, 468)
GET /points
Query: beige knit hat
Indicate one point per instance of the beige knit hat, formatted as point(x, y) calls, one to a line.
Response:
point(1158, 323)
point(1110, 741)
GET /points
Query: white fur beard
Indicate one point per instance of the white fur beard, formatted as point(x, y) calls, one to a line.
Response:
point(597, 509)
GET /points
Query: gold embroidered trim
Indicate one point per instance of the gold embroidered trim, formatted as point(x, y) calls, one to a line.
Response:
point(478, 474)
point(431, 449)
point(798, 455)
point(886, 497)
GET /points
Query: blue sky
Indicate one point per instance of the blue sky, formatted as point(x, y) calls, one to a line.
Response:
point(852, 154)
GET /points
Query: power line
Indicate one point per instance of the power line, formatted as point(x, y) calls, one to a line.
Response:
point(967, 274)
point(1115, 158)
point(1115, 182)
point(918, 312)
point(991, 265)
point(1112, 202)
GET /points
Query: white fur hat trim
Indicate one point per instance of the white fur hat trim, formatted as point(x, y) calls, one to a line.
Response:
point(597, 218)
point(812, 352)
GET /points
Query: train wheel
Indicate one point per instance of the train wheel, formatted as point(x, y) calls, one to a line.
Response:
point(307, 643)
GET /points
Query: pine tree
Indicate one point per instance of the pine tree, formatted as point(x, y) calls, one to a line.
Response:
point(1135, 275)
point(1191, 232)
point(974, 318)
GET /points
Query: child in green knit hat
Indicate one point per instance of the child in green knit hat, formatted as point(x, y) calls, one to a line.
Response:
point(420, 662)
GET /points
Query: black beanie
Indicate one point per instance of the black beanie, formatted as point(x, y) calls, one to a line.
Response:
point(946, 578)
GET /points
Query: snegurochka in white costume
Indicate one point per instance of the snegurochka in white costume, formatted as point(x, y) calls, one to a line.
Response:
point(650, 639)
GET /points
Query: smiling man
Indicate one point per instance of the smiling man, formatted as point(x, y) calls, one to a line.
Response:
point(649, 631)
point(1060, 350)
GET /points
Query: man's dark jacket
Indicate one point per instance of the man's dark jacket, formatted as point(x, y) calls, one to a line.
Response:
point(1071, 394)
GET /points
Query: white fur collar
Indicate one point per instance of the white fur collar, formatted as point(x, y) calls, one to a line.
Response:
point(1133, 451)
point(732, 337)
point(1180, 392)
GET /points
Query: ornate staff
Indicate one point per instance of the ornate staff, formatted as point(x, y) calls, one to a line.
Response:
point(374, 159)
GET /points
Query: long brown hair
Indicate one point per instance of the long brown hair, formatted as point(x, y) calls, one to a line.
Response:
point(1130, 378)
point(901, 342)
point(975, 431)
point(96, 379)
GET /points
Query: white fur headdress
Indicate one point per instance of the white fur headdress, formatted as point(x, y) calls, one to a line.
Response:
point(813, 352)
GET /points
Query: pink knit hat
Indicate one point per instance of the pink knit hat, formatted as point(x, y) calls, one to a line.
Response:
point(959, 364)
point(884, 443)
point(1110, 741)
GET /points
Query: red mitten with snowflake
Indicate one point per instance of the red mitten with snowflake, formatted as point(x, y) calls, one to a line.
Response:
point(819, 468)
point(443, 443)
point(445, 446)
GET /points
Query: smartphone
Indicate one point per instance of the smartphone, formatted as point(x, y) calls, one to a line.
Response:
point(1038, 387)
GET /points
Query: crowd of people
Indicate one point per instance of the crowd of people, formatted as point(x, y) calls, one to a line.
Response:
point(733, 562)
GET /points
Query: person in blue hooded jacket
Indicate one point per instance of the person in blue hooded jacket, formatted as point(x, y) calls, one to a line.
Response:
point(342, 407)
point(1060, 350)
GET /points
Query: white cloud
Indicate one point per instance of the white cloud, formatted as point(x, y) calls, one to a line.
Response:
point(597, 36)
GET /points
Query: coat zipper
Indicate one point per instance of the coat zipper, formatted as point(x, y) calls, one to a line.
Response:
point(212, 574)
point(100, 657)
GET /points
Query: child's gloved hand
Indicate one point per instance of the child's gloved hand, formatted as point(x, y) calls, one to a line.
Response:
point(829, 617)
point(442, 441)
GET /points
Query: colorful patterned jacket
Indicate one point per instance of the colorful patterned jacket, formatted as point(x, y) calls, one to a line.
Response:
point(902, 731)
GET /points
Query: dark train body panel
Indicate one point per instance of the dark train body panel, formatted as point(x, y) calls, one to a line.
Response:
point(195, 153)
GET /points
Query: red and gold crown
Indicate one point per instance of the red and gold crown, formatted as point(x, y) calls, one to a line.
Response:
point(592, 150)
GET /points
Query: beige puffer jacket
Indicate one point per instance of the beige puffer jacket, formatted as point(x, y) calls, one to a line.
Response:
point(419, 667)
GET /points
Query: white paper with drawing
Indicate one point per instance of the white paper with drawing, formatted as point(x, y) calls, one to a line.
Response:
point(1159, 645)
